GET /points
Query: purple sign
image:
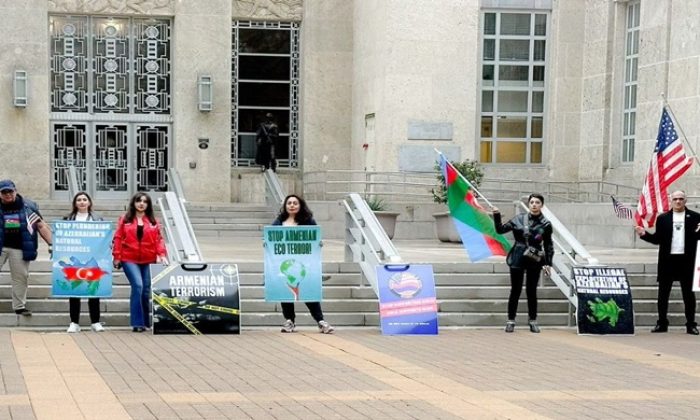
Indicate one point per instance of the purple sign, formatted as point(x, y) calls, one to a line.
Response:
point(407, 303)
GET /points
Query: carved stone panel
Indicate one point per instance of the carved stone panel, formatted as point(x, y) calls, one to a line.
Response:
point(268, 9)
point(109, 7)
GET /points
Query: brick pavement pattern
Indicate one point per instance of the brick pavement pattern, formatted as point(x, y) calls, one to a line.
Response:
point(354, 374)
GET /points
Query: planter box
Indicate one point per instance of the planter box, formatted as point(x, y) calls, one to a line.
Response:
point(388, 221)
point(445, 228)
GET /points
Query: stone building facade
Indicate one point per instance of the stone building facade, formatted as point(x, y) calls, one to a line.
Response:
point(566, 90)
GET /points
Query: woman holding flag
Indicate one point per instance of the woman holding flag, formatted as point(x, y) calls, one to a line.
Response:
point(531, 253)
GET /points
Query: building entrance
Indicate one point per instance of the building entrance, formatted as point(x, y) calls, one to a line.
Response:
point(113, 160)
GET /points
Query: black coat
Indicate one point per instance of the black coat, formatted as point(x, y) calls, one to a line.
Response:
point(663, 236)
point(528, 230)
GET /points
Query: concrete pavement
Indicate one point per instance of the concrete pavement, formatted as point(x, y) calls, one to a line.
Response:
point(354, 374)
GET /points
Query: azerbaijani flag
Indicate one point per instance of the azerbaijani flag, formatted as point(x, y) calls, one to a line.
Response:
point(475, 227)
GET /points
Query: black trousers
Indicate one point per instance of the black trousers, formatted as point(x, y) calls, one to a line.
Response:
point(688, 301)
point(93, 306)
point(516, 287)
point(314, 310)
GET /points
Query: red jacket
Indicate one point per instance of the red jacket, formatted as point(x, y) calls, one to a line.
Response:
point(127, 248)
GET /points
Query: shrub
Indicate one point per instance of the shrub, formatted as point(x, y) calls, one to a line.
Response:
point(470, 169)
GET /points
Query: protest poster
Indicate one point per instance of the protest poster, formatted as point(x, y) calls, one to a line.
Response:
point(292, 263)
point(196, 299)
point(81, 265)
point(407, 302)
point(604, 301)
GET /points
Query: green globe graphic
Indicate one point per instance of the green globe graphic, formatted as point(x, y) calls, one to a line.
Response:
point(293, 271)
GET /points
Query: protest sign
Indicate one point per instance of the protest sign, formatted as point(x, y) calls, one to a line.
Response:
point(604, 300)
point(292, 263)
point(407, 303)
point(82, 259)
point(196, 299)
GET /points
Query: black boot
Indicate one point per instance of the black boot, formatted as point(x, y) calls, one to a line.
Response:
point(660, 327)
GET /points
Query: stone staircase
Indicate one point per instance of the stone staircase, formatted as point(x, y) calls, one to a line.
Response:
point(224, 220)
point(468, 295)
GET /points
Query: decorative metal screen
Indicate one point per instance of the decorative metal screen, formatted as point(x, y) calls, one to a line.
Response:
point(69, 63)
point(111, 158)
point(265, 78)
point(152, 158)
point(107, 64)
point(69, 149)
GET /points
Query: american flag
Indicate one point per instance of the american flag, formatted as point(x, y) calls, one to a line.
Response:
point(622, 211)
point(668, 163)
point(32, 218)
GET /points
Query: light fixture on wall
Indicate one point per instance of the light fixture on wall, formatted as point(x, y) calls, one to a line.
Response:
point(204, 86)
point(20, 88)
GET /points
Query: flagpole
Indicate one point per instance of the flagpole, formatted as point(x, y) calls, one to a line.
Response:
point(465, 180)
point(678, 124)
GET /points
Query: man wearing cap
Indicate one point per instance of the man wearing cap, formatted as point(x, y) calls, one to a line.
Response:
point(21, 221)
point(266, 139)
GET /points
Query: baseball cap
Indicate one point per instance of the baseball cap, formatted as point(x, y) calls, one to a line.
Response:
point(7, 184)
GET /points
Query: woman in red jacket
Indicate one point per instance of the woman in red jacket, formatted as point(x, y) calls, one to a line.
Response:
point(138, 243)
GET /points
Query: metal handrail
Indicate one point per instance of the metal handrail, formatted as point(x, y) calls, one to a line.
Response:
point(418, 186)
point(73, 186)
point(274, 193)
point(176, 184)
point(366, 242)
point(179, 230)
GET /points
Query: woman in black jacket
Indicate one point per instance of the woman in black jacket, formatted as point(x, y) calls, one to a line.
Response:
point(531, 253)
point(295, 212)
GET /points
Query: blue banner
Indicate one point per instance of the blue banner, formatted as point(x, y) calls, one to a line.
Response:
point(407, 302)
point(82, 259)
point(292, 263)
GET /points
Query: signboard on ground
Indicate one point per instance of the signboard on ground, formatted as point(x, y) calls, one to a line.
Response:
point(407, 303)
point(196, 299)
point(604, 301)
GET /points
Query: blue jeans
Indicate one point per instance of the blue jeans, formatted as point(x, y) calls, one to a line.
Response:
point(139, 276)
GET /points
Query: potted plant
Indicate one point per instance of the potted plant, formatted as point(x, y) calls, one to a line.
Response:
point(444, 227)
point(386, 218)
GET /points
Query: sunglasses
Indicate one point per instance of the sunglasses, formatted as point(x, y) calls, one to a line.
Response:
point(7, 191)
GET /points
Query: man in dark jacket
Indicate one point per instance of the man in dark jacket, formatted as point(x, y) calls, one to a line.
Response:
point(677, 235)
point(20, 223)
point(266, 140)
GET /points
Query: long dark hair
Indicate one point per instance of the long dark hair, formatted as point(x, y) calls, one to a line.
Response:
point(74, 209)
point(304, 214)
point(131, 211)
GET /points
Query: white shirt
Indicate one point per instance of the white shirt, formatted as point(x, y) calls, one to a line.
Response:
point(678, 238)
point(81, 217)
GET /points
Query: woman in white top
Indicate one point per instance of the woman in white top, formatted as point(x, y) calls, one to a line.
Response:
point(82, 211)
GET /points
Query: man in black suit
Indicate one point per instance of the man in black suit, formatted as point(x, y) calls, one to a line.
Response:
point(677, 236)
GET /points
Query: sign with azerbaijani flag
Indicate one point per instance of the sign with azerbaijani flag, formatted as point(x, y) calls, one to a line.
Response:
point(82, 259)
point(474, 225)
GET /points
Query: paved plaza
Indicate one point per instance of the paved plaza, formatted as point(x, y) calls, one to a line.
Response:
point(354, 374)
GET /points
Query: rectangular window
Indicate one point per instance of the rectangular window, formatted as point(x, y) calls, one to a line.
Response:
point(513, 86)
point(629, 105)
point(265, 79)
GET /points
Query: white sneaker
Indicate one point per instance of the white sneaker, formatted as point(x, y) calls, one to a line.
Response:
point(288, 326)
point(97, 327)
point(73, 328)
point(325, 327)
